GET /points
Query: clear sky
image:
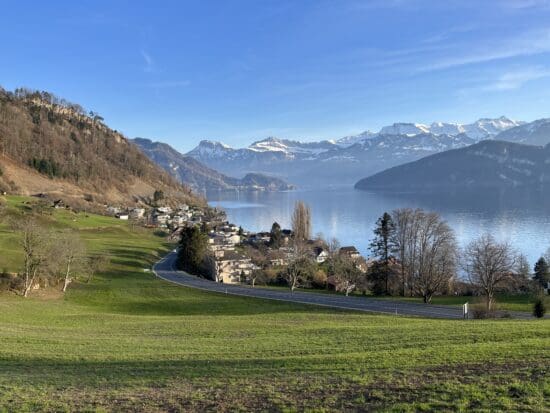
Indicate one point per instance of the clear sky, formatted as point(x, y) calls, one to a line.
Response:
point(239, 71)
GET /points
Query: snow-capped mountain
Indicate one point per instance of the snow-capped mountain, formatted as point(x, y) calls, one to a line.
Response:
point(443, 128)
point(200, 177)
point(343, 161)
point(532, 133)
point(478, 130)
point(350, 140)
point(291, 148)
point(489, 128)
point(409, 129)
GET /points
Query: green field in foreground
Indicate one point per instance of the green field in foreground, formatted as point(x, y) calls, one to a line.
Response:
point(128, 341)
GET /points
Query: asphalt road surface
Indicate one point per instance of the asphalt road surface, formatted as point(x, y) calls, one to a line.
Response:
point(166, 269)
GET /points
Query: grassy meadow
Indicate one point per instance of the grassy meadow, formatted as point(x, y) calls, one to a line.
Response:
point(130, 342)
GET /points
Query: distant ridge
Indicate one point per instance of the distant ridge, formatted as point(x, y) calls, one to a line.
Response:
point(200, 177)
point(487, 164)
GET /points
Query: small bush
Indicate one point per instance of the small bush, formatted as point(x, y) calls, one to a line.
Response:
point(479, 311)
point(539, 308)
point(5, 280)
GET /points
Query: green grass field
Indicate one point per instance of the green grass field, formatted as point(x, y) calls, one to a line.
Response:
point(128, 341)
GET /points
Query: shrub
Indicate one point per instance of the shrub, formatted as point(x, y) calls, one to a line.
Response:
point(319, 279)
point(5, 280)
point(478, 310)
point(539, 308)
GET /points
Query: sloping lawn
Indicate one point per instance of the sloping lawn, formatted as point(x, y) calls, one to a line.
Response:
point(128, 341)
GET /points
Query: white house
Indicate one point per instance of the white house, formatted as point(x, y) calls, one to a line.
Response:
point(164, 210)
point(321, 255)
point(137, 213)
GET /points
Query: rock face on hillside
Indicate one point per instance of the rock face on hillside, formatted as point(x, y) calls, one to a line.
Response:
point(200, 177)
point(48, 145)
point(345, 160)
point(487, 164)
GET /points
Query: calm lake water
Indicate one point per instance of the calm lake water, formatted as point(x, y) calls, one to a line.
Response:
point(349, 215)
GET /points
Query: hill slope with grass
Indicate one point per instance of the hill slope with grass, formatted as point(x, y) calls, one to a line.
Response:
point(128, 341)
point(48, 145)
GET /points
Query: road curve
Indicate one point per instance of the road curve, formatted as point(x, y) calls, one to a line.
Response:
point(166, 270)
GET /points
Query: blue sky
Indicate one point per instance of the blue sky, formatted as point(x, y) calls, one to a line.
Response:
point(239, 71)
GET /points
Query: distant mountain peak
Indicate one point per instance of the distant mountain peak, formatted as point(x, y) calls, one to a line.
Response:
point(210, 143)
point(404, 128)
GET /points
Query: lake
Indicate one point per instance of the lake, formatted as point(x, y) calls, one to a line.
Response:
point(350, 215)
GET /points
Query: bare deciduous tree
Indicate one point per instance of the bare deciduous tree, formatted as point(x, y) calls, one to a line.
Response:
point(426, 249)
point(301, 222)
point(96, 264)
point(34, 242)
point(437, 253)
point(488, 264)
point(298, 271)
point(403, 220)
point(71, 257)
point(346, 274)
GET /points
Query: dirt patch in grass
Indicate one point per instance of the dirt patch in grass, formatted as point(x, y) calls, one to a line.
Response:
point(512, 387)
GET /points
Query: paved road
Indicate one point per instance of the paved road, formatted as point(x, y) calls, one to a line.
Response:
point(166, 270)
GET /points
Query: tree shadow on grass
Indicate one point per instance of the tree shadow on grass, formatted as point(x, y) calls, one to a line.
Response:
point(39, 371)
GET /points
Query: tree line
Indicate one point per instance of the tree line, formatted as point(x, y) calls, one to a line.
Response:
point(417, 254)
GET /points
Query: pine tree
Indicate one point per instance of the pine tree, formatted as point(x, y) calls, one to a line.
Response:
point(192, 249)
point(382, 246)
point(275, 236)
point(542, 272)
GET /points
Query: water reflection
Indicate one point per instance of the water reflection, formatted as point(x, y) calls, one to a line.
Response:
point(349, 215)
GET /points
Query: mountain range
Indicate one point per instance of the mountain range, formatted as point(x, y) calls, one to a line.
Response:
point(200, 177)
point(345, 160)
point(489, 164)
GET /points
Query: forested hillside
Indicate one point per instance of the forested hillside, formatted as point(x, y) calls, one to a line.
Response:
point(49, 145)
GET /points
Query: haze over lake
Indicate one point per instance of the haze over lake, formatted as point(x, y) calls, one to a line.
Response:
point(349, 214)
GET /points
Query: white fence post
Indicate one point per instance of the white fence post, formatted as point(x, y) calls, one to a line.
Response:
point(465, 310)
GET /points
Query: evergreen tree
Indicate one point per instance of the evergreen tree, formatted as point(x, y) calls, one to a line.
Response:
point(275, 236)
point(542, 272)
point(192, 249)
point(382, 246)
point(158, 196)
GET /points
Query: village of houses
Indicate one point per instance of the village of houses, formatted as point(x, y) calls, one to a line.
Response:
point(230, 262)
